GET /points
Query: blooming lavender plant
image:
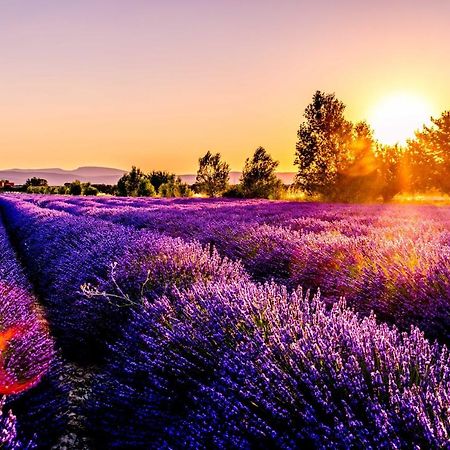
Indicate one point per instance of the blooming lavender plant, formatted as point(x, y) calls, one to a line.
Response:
point(208, 358)
point(393, 259)
point(243, 365)
point(8, 431)
point(29, 369)
point(70, 257)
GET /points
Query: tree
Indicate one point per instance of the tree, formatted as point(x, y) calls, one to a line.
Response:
point(174, 188)
point(75, 188)
point(35, 181)
point(259, 179)
point(213, 175)
point(134, 184)
point(322, 149)
point(394, 176)
point(88, 189)
point(158, 178)
point(38, 190)
point(359, 179)
point(105, 188)
point(429, 155)
point(145, 188)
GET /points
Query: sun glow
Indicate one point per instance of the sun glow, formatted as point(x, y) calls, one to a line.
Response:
point(396, 117)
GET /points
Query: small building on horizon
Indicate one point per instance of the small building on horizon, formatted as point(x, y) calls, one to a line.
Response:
point(6, 183)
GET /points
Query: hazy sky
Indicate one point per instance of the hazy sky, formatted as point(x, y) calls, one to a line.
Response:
point(158, 83)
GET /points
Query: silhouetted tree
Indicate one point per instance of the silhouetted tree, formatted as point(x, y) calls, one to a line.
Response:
point(35, 181)
point(259, 179)
point(212, 175)
point(429, 156)
point(105, 188)
point(323, 146)
point(75, 188)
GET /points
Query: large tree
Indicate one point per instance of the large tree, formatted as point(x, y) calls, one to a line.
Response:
point(323, 146)
point(213, 175)
point(259, 179)
point(135, 184)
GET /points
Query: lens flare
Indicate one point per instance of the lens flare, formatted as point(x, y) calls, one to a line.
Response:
point(396, 117)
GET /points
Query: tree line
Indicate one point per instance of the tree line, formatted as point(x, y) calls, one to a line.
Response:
point(339, 160)
point(336, 160)
point(258, 180)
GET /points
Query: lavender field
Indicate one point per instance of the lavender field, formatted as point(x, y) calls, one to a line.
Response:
point(194, 323)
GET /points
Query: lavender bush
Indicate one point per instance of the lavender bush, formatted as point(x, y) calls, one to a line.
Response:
point(8, 431)
point(199, 355)
point(393, 259)
point(70, 257)
point(29, 369)
point(252, 366)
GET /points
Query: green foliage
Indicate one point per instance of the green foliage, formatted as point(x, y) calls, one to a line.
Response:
point(108, 189)
point(145, 188)
point(175, 188)
point(429, 156)
point(88, 189)
point(35, 182)
point(234, 191)
point(37, 190)
point(358, 179)
point(135, 184)
point(213, 175)
point(158, 178)
point(75, 188)
point(259, 179)
point(341, 161)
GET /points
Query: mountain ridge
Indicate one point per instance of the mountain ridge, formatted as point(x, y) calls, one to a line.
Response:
point(98, 175)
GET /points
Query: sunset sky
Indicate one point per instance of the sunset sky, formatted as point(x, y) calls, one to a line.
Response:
point(158, 83)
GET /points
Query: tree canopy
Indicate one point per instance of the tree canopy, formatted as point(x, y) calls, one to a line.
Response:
point(259, 179)
point(323, 144)
point(135, 184)
point(213, 175)
point(429, 155)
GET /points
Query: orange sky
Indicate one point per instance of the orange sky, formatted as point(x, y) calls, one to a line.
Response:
point(157, 84)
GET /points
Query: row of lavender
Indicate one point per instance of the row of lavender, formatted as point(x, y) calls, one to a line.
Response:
point(195, 354)
point(33, 400)
point(394, 260)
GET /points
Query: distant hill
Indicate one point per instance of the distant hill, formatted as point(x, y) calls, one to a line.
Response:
point(98, 175)
point(57, 177)
point(285, 177)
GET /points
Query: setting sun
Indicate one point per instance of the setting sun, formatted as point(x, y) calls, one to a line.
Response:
point(396, 117)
